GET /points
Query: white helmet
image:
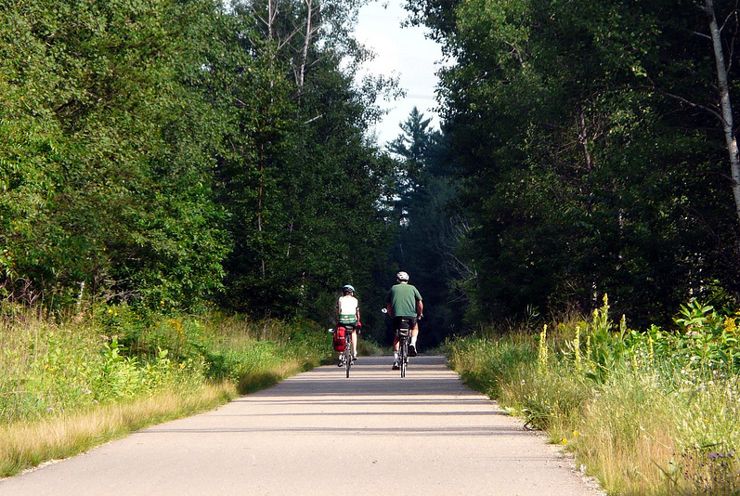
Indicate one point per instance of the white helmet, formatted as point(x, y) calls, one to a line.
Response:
point(402, 276)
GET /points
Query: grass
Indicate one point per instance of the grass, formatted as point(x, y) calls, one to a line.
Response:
point(368, 347)
point(25, 444)
point(67, 384)
point(647, 413)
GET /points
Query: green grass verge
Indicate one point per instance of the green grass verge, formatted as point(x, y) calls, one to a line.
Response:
point(642, 411)
point(26, 444)
point(69, 384)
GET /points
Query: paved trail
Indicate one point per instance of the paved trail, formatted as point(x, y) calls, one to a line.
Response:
point(321, 434)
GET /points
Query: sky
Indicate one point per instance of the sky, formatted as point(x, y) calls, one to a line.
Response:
point(404, 52)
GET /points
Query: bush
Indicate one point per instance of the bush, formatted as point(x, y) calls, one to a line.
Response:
point(51, 367)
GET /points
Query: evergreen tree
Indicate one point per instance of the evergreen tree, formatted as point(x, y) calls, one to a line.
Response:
point(429, 223)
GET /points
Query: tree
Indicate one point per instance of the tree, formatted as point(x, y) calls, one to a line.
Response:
point(304, 205)
point(725, 101)
point(428, 223)
point(126, 208)
point(584, 163)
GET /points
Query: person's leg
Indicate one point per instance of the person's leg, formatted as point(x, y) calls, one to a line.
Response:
point(354, 343)
point(414, 334)
point(396, 346)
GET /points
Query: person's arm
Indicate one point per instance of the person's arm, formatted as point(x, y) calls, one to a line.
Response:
point(419, 304)
point(357, 313)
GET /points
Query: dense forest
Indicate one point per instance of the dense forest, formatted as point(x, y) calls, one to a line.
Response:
point(595, 152)
point(177, 153)
point(180, 154)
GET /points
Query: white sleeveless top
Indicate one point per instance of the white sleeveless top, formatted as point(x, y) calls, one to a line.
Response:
point(347, 306)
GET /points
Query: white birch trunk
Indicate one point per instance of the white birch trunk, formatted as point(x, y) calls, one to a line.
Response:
point(306, 44)
point(725, 103)
point(272, 11)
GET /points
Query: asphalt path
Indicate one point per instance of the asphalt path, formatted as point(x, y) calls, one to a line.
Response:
point(319, 433)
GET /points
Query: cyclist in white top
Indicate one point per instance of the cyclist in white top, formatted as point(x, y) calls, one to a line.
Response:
point(348, 315)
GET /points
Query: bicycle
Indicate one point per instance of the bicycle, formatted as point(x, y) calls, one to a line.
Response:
point(403, 333)
point(347, 359)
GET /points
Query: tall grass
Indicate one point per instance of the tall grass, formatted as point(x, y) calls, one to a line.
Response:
point(68, 383)
point(25, 444)
point(648, 413)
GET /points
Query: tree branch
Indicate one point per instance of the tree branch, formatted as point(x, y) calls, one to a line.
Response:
point(695, 105)
point(702, 35)
point(314, 119)
point(732, 41)
point(259, 17)
point(724, 23)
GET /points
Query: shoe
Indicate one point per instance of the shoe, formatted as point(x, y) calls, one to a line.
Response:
point(395, 366)
point(354, 358)
point(340, 363)
point(412, 350)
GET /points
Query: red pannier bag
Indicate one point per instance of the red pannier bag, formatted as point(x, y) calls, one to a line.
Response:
point(340, 338)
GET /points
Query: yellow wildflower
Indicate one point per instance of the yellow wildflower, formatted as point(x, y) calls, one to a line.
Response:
point(730, 324)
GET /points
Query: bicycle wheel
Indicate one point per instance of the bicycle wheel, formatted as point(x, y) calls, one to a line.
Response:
point(404, 357)
point(348, 357)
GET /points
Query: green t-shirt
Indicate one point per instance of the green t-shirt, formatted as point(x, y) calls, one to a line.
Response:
point(403, 298)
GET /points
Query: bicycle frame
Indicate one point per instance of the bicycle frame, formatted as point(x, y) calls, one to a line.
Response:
point(404, 335)
point(348, 353)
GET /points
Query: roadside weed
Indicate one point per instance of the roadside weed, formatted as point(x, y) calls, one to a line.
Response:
point(648, 412)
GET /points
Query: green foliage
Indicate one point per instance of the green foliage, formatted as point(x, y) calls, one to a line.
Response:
point(108, 164)
point(648, 412)
point(429, 225)
point(116, 355)
point(588, 153)
point(300, 181)
point(157, 153)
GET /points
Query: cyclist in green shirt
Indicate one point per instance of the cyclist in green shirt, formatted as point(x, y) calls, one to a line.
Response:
point(404, 301)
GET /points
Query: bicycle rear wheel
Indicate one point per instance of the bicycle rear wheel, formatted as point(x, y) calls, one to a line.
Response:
point(348, 358)
point(404, 357)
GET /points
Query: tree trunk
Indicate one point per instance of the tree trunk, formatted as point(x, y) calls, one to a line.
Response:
point(725, 103)
point(583, 139)
point(260, 200)
point(306, 44)
point(272, 11)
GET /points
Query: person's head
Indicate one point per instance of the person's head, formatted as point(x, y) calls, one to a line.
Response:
point(348, 289)
point(402, 277)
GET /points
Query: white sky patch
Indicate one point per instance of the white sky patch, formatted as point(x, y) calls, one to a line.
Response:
point(399, 51)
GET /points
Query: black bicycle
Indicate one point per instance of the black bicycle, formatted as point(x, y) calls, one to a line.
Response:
point(403, 333)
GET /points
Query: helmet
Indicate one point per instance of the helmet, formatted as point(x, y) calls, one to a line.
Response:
point(402, 276)
point(348, 287)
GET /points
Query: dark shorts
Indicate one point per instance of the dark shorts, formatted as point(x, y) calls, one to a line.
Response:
point(404, 322)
